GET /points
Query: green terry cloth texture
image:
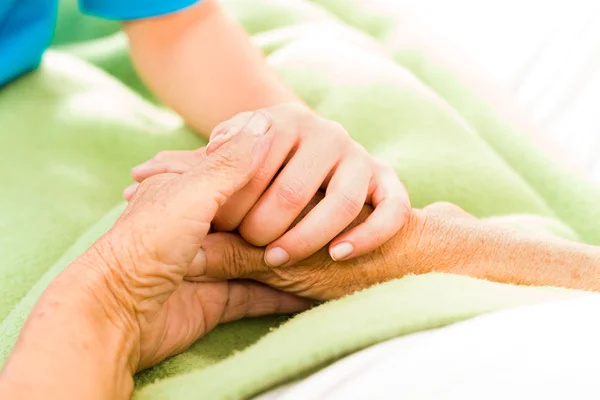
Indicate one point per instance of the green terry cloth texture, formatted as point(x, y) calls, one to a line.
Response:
point(71, 131)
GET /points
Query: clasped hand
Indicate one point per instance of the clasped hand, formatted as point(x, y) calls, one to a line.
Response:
point(309, 153)
point(162, 279)
point(170, 277)
point(174, 275)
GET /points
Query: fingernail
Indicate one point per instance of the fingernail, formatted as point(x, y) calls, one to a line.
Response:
point(258, 124)
point(220, 140)
point(276, 257)
point(198, 265)
point(341, 251)
point(219, 132)
point(130, 190)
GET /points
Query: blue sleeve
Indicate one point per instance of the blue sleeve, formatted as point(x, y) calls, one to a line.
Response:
point(132, 9)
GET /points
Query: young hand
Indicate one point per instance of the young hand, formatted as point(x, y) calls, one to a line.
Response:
point(309, 153)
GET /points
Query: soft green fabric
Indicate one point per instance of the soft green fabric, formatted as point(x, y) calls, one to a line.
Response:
point(70, 132)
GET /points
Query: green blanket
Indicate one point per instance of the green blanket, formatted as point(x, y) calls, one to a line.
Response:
point(70, 132)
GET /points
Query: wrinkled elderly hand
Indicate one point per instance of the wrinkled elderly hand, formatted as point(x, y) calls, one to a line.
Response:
point(429, 240)
point(439, 238)
point(308, 153)
point(137, 273)
point(153, 249)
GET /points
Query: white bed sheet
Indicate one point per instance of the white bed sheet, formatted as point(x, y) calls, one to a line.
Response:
point(546, 351)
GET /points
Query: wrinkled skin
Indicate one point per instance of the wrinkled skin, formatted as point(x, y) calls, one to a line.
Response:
point(421, 246)
point(410, 251)
point(139, 270)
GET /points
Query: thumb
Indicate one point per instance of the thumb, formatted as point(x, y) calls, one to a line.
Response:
point(226, 256)
point(232, 159)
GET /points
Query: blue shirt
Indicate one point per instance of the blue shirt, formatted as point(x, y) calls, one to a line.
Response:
point(27, 26)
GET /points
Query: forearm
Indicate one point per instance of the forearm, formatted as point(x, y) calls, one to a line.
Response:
point(202, 64)
point(68, 348)
point(482, 251)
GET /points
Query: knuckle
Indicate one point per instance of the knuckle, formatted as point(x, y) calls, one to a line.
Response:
point(349, 204)
point(301, 117)
point(232, 257)
point(405, 208)
point(266, 306)
point(224, 159)
point(301, 244)
point(360, 151)
point(340, 131)
point(193, 155)
point(157, 180)
point(310, 160)
point(405, 214)
point(376, 237)
point(298, 109)
point(150, 183)
point(445, 207)
point(153, 184)
point(401, 208)
point(239, 260)
point(337, 128)
point(385, 168)
point(388, 168)
point(239, 301)
point(199, 154)
point(336, 134)
point(292, 192)
point(225, 222)
point(262, 176)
